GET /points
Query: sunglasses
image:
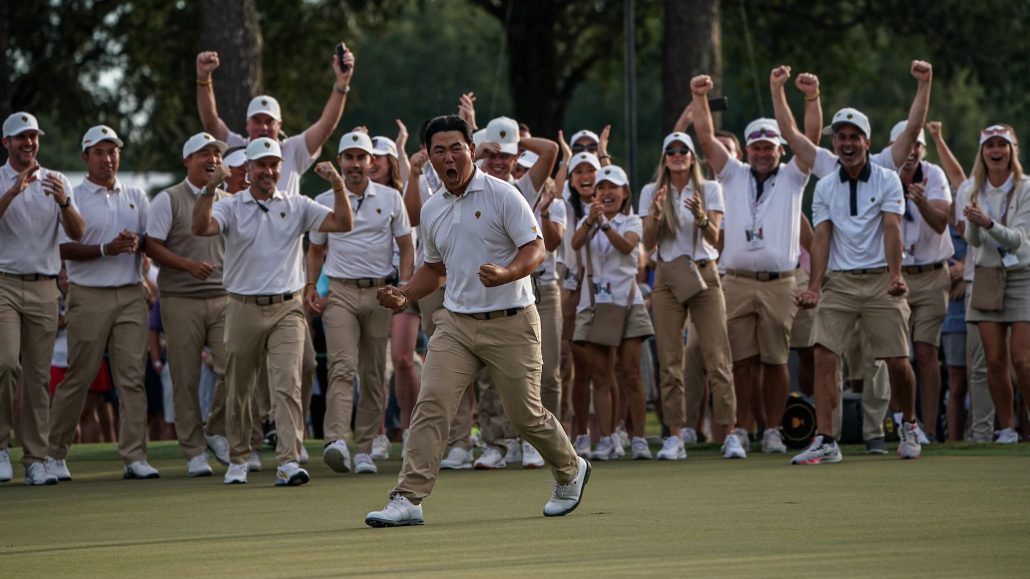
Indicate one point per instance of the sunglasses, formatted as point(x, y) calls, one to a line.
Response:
point(677, 151)
point(994, 131)
point(763, 132)
point(592, 148)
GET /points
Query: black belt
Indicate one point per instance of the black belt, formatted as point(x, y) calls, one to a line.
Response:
point(27, 276)
point(862, 271)
point(760, 275)
point(365, 282)
point(264, 300)
point(922, 268)
point(495, 314)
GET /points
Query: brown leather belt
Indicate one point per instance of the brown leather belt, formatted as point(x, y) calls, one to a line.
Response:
point(264, 300)
point(862, 271)
point(496, 314)
point(922, 268)
point(364, 282)
point(27, 276)
point(760, 275)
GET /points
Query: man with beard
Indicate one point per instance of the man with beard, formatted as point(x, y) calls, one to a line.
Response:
point(107, 307)
point(263, 229)
point(360, 261)
point(37, 209)
point(193, 301)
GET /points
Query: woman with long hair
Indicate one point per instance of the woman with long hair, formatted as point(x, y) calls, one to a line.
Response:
point(997, 215)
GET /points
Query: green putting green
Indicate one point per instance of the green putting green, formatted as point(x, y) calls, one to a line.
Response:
point(961, 511)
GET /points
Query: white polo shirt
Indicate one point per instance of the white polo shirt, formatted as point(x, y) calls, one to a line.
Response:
point(922, 244)
point(263, 249)
point(686, 236)
point(857, 240)
point(425, 191)
point(296, 159)
point(159, 216)
point(487, 224)
point(30, 229)
point(615, 273)
point(566, 255)
point(367, 249)
point(107, 212)
point(556, 214)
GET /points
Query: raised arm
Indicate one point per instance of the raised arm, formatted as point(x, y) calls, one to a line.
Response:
point(804, 149)
point(402, 154)
point(808, 84)
point(317, 133)
point(413, 188)
point(686, 119)
point(902, 146)
point(715, 151)
point(547, 153)
point(551, 232)
point(952, 168)
point(207, 62)
point(341, 220)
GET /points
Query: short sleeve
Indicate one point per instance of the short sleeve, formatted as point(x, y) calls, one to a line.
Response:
point(893, 200)
point(70, 192)
point(795, 177)
point(714, 200)
point(223, 212)
point(937, 185)
point(159, 216)
point(431, 254)
point(646, 200)
point(400, 223)
point(525, 186)
point(885, 159)
point(557, 213)
point(144, 210)
point(961, 200)
point(730, 169)
point(315, 236)
point(820, 203)
point(825, 163)
point(297, 148)
point(634, 225)
point(314, 213)
point(518, 220)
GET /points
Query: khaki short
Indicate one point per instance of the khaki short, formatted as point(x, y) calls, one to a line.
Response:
point(638, 324)
point(758, 317)
point(804, 322)
point(928, 300)
point(846, 297)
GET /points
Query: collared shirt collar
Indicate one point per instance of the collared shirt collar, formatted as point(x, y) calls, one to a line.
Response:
point(246, 197)
point(618, 218)
point(97, 188)
point(370, 190)
point(863, 176)
point(9, 171)
point(196, 190)
point(1005, 187)
point(477, 183)
point(754, 174)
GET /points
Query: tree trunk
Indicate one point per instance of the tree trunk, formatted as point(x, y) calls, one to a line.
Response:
point(231, 28)
point(533, 66)
point(692, 45)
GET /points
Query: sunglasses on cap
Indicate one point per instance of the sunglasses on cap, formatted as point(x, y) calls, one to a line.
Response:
point(681, 150)
point(994, 131)
point(591, 148)
point(762, 132)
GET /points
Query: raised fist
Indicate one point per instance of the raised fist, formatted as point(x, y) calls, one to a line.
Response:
point(207, 62)
point(701, 84)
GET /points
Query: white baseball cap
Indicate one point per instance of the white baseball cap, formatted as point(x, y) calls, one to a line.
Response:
point(504, 132)
point(356, 140)
point(263, 147)
point(580, 158)
point(264, 104)
point(384, 146)
point(98, 134)
point(478, 137)
point(849, 116)
point(528, 158)
point(763, 130)
point(584, 133)
point(1000, 131)
point(237, 158)
point(18, 123)
point(612, 174)
point(899, 128)
point(201, 140)
point(679, 137)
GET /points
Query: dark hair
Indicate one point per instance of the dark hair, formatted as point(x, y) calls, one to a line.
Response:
point(446, 123)
point(729, 135)
point(524, 127)
point(576, 202)
point(422, 132)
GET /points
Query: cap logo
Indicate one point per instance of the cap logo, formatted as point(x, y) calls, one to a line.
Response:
point(503, 134)
point(851, 116)
point(607, 171)
point(103, 131)
point(354, 138)
point(268, 145)
point(24, 119)
point(478, 214)
point(207, 137)
point(264, 102)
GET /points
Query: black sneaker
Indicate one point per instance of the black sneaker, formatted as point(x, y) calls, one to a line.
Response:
point(876, 446)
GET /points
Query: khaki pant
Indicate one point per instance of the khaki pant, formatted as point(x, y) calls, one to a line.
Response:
point(251, 333)
point(115, 319)
point(263, 404)
point(693, 377)
point(981, 404)
point(462, 346)
point(707, 312)
point(549, 307)
point(190, 324)
point(28, 327)
point(357, 330)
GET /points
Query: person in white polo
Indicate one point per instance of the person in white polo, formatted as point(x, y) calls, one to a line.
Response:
point(480, 233)
point(107, 307)
point(359, 262)
point(37, 209)
point(263, 229)
point(193, 301)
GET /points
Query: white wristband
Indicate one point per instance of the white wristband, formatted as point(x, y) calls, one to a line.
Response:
point(102, 254)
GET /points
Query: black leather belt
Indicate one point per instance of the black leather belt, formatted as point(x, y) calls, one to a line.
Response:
point(862, 271)
point(27, 276)
point(922, 268)
point(365, 282)
point(760, 275)
point(495, 314)
point(264, 300)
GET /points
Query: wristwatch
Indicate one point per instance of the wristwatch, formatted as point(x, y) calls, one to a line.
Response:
point(606, 226)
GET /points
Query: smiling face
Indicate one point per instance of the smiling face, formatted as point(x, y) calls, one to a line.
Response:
point(584, 145)
point(22, 149)
point(851, 146)
point(262, 125)
point(264, 174)
point(997, 154)
point(499, 165)
point(764, 156)
point(678, 157)
point(914, 157)
point(355, 165)
point(380, 170)
point(102, 161)
point(201, 165)
point(239, 179)
point(584, 176)
point(451, 157)
point(611, 197)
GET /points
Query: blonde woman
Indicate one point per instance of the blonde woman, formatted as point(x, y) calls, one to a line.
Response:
point(682, 213)
point(997, 226)
point(610, 237)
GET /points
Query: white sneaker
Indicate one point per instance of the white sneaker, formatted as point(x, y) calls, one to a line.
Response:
point(732, 448)
point(337, 456)
point(640, 449)
point(36, 475)
point(6, 472)
point(514, 453)
point(236, 475)
point(582, 445)
point(58, 468)
point(530, 457)
point(219, 446)
point(909, 446)
point(819, 452)
point(363, 464)
point(457, 459)
point(290, 474)
point(565, 498)
point(605, 449)
point(381, 448)
point(491, 459)
point(140, 470)
point(744, 437)
point(198, 466)
point(399, 512)
point(254, 461)
point(672, 449)
point(303, 457)
point(621, 437)
point(1007, 436)
point(688, 435)
point(921, 436)
point(772, 441)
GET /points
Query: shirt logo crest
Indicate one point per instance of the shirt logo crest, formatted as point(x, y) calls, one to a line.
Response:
point(379, 209)
point(478, 214)
point(282, 214)
point(132, 206)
